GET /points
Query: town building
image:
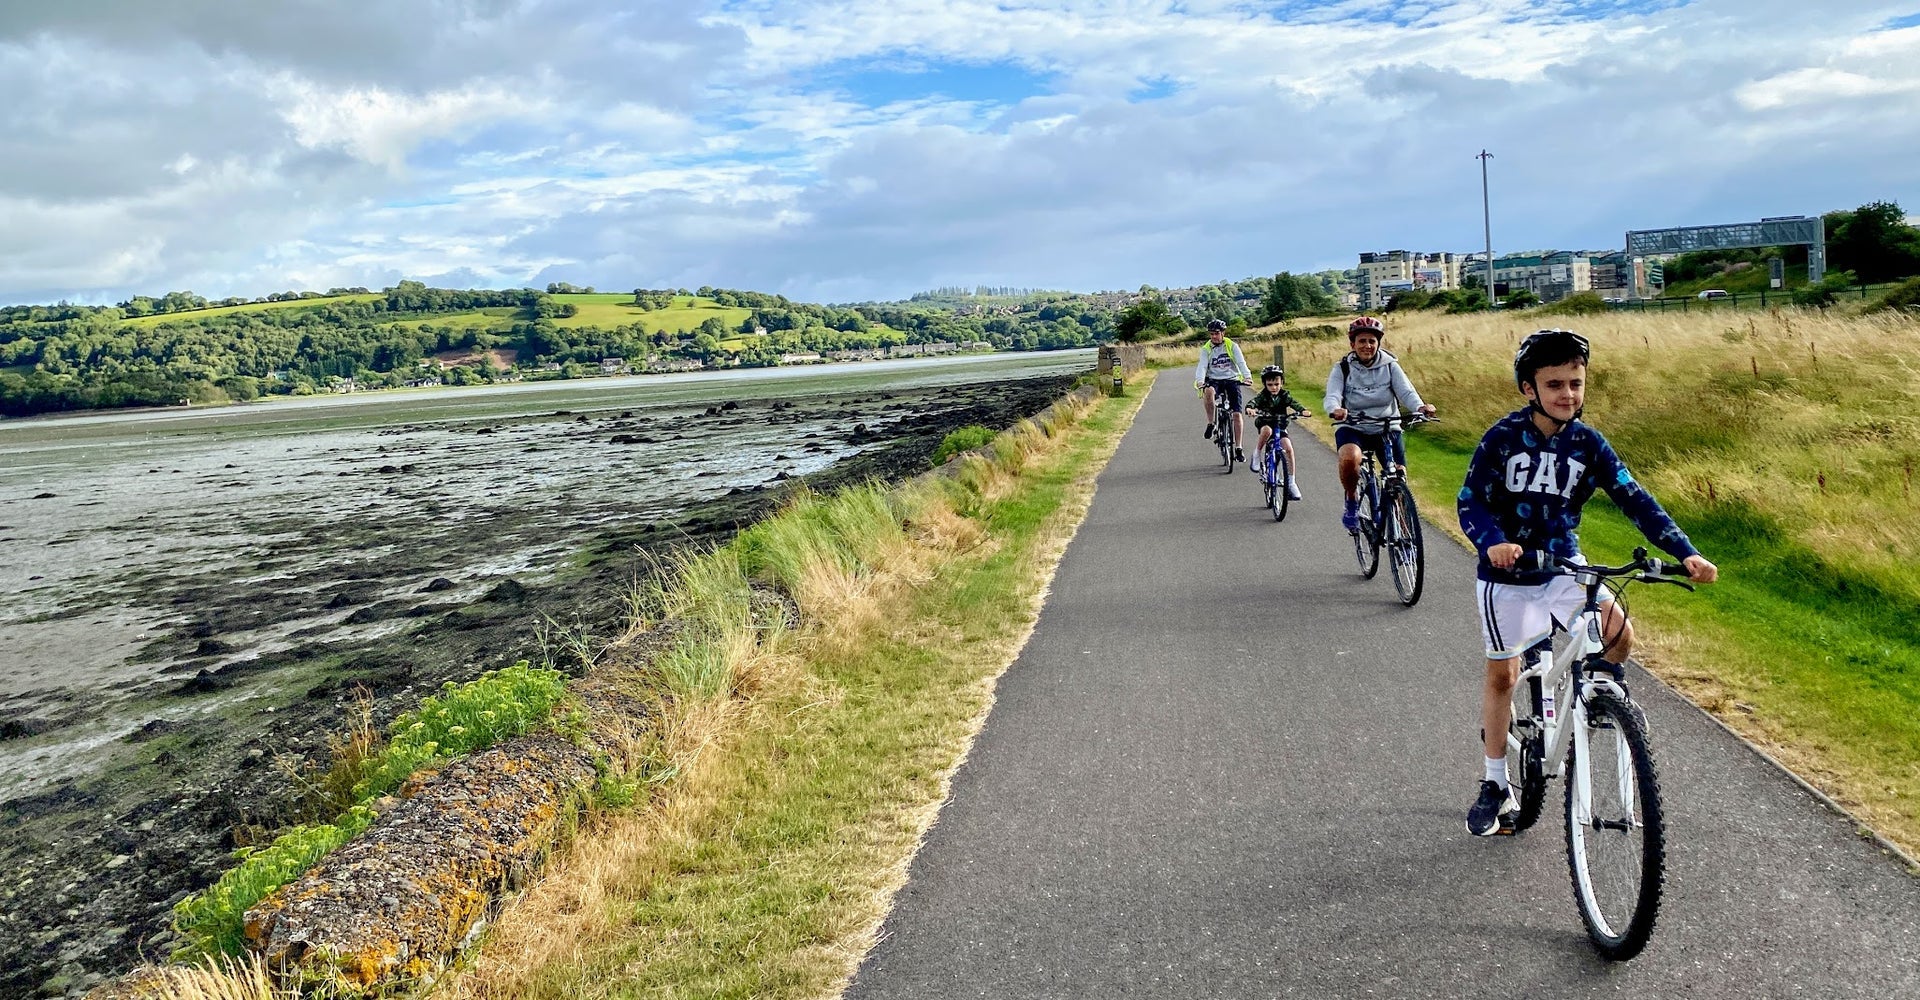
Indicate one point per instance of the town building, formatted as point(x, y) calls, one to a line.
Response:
point(1381, 275)
point(1553, 275)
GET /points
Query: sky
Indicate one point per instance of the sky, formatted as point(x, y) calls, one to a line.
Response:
point(853, 150)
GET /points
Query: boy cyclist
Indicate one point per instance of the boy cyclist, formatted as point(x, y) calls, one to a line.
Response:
point(1274, 407)
point(1219, 375)
point(1526, 484)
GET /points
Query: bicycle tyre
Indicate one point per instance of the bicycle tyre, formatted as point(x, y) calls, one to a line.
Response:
point(1366, 544)
point(1617, 863)
point(1281, 473)
point(1526, 750)
point(1404, 547)
point(1223, 436)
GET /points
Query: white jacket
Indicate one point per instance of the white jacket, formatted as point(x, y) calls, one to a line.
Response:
point(1223, 362)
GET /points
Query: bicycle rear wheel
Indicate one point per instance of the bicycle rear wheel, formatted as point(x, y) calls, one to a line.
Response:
point(1405, 551)
point(1526, 748)
point(1366, 544)
point(1616, 839)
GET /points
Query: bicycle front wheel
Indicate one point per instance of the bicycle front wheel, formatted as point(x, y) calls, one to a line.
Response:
point(1278, 466)
point(1407, 555)
point(1616, 832)
point(1366, 544)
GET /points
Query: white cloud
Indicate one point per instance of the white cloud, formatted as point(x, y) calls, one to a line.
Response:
point(382, 127)
point(239, 148)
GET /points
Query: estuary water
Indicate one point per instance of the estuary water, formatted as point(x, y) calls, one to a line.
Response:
point(143, 553)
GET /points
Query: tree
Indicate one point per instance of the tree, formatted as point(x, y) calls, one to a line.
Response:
point(1145, 319)
point(1520, 298)
point(1873, 241)
point(1289, 295)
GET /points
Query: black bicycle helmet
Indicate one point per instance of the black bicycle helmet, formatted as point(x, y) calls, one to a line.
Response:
point(1546, 348)
point(1216, 324)
point(1271, 371)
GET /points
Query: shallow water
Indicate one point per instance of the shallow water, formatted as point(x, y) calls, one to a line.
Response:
point(137, 549)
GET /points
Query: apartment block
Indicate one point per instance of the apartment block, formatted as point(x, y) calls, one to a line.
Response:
point(1384, 274)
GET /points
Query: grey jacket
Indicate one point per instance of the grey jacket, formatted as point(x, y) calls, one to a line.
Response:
point(1370, 390)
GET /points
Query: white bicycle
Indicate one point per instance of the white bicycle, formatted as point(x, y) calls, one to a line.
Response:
point(1573, 719)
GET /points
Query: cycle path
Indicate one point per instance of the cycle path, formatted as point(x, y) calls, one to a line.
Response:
point(1224, 766)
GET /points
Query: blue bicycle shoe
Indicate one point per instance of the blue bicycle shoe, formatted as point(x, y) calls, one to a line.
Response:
point(1350, 518)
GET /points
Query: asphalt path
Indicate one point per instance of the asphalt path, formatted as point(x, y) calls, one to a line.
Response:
point(1224, 766)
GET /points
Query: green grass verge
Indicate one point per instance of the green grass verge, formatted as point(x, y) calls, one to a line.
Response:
point(816, 806)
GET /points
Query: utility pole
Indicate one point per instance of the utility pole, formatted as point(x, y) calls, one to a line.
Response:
point(1486, 216)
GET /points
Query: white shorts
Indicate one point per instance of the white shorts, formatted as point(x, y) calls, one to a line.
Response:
point(1513, 617)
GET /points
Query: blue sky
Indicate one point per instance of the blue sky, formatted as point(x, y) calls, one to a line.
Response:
point(861, 149)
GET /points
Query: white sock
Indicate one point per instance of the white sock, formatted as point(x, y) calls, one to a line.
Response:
point(1497, 771)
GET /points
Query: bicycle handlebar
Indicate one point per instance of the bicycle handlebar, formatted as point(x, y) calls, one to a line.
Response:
point(1403, 419)
point(1643, 569)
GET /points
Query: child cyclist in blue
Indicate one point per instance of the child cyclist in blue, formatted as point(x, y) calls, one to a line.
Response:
point(1275, 406)
point(1526, 484)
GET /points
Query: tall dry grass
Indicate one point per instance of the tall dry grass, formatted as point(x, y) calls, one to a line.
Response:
point(1810, 419)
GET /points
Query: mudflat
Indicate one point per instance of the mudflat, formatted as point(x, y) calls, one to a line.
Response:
point(195, 600)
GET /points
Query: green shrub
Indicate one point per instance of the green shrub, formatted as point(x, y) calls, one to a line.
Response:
point(1577, 304)
point(1904, 297)
point(1826, 292)
point(212, 921)
point(498, 705)
point(471, 716)
point(965, 439)
point(1415, 298)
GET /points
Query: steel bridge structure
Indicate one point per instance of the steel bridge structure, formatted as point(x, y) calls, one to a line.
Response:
point(1788, 230)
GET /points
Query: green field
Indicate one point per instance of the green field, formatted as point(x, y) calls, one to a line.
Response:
point(173, 317)
point(598, 309)
point(611, 309)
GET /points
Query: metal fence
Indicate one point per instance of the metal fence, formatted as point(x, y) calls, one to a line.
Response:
point(1748, 300)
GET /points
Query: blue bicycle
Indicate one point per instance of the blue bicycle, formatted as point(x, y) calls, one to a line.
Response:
point(1276, 469)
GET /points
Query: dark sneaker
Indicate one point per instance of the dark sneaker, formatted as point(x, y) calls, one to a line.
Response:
point(1350, 518)
point(1491, 810)
point(1207, 432)
point(1240, 456)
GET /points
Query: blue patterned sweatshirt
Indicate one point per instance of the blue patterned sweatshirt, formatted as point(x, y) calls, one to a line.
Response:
point(1525, 487)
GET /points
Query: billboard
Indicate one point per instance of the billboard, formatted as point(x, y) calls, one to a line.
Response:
point(1429, 277)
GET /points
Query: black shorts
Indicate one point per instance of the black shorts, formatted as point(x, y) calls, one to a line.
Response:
point(1375, 443)
point(1267, 420)
point(1228, 391)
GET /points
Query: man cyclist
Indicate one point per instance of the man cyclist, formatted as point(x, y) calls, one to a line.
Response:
point(1365, 387)
point(1219, 375)
point(1526, 484)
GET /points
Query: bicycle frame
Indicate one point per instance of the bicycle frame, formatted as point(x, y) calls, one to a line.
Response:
point(1379, 474)
point(1575, 668)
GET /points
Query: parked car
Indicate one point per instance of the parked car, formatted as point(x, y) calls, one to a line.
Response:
point(1714, 293)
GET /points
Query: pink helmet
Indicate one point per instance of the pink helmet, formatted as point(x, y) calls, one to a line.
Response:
point(1366, 324)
